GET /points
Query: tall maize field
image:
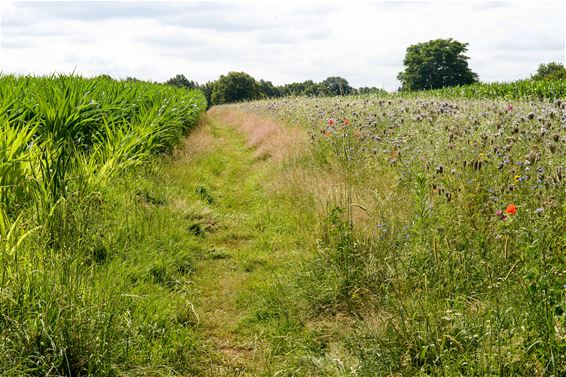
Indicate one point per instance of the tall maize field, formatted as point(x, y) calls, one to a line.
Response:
point(537, 90)
point(69, 148)
point(65, 134)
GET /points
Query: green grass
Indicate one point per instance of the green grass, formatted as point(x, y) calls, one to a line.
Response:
point(159, 272)
point(256, 236)
point(108, 300)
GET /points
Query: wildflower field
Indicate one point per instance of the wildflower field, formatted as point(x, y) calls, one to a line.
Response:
point(346, 236)
point(442, 248)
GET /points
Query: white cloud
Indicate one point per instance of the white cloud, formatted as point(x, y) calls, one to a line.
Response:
point(364, 41)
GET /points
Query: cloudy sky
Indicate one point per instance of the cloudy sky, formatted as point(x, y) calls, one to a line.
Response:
point(280, 41)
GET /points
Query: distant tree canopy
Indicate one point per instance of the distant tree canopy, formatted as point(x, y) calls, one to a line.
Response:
point(370, 90)
point(240, 86)
point(104, 76)
point(550, 71)
point(182, 82)
point(436, 64)
point(268, 90)
point(336, 86)
point(305, 88)
point(207, 90)
point(311, 89)
point(235, 87)
point(331, 86)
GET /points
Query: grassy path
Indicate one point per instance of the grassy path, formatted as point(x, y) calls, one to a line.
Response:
point(249, 235)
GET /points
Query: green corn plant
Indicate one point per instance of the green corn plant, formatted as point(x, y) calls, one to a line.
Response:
point(15, 147)
point(101, 125)
point(116, 150)
point(517, 90)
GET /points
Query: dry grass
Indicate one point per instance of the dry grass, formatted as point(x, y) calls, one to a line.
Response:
point(310, 185)
point(200, 141)
point(373, 198)
point(271, 140)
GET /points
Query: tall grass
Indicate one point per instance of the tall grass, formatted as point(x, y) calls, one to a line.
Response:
point(72, 154)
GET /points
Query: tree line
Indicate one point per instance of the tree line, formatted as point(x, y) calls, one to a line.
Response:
point(434, 64)
point(240, 86)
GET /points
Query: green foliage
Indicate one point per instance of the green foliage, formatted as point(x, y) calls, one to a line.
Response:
point(336, 86)
point(436, 64)
point(306, 88)
point(132, 79)
point(268, 90)
point(370, 91)
point(206, 89)
point(550, 71)
point(331, 86)
point(234, 87)
point(181, 81)
point(238, 86)
point(69, 152)
point(94, 126)
point(104, 76)
point(104, 298)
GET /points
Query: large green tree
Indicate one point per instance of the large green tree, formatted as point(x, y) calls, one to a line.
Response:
point(550, 71)
point(436, 64)
point(235, 87)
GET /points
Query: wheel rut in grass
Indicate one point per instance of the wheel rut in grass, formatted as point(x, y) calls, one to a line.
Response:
point(245, 231)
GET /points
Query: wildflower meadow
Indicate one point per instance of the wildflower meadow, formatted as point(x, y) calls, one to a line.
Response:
point(445, 236)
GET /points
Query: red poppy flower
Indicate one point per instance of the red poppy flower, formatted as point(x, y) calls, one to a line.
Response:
point(511, 209)
point(346, 122)
point(330, 121)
